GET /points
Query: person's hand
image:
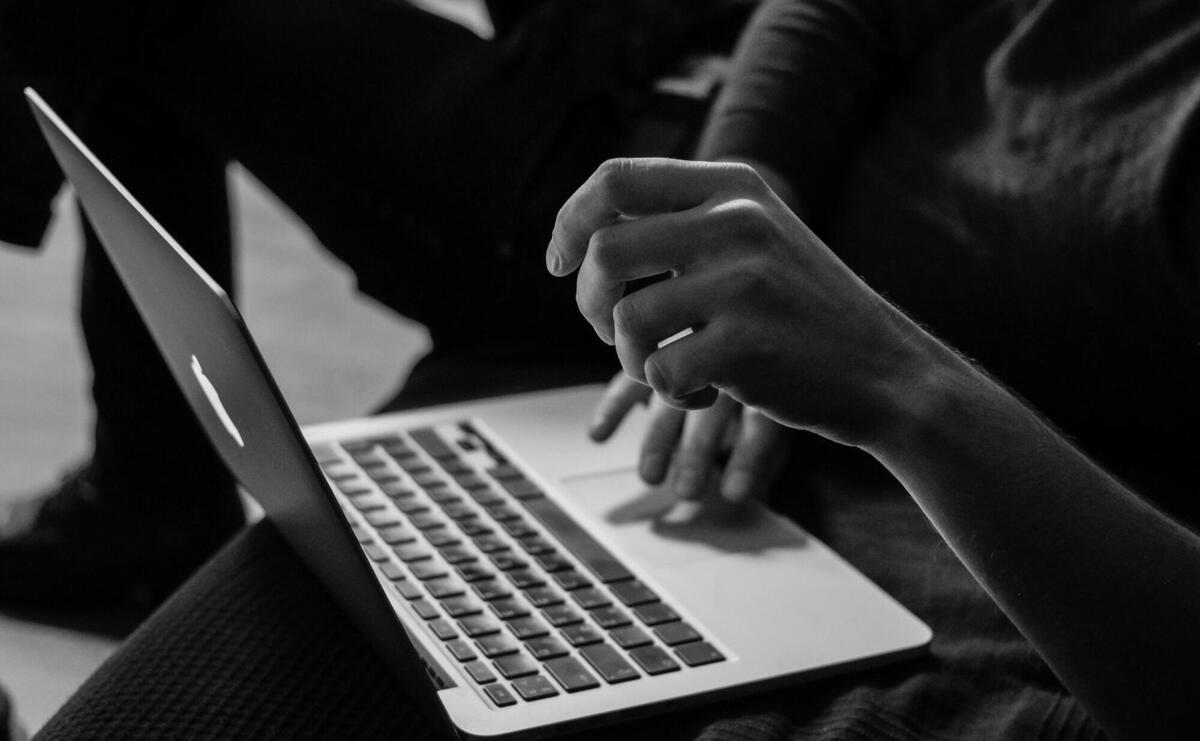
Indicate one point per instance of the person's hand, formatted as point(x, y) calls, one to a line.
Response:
point(776, 320)
point(729, 448)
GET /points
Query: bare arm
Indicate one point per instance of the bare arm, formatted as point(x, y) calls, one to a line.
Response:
point(1104, 585)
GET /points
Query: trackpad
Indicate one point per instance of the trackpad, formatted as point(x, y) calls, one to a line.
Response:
point(652, 525)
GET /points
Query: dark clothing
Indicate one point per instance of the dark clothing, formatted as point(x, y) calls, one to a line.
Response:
point(1018, 176)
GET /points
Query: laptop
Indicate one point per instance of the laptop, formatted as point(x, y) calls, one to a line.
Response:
point(519, 579)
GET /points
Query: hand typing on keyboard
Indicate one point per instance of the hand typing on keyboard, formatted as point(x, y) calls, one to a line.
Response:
point(728, 448)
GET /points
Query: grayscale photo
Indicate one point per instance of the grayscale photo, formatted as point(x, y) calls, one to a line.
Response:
point(729, 370)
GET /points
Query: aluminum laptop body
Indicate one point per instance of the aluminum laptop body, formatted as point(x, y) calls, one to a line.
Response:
point(710, 606)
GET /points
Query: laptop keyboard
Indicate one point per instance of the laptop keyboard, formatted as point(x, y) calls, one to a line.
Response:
point(526, 600)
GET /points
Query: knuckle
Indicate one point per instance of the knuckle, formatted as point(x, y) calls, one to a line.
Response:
point(747, 178)
point(627, 316)
point(746, 217)
point(603, 248)
point(612, 173)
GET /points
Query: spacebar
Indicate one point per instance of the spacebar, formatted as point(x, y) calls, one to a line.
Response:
point(596, 557)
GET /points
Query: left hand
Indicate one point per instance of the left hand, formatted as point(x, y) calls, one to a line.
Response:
point(731, 450)
point(777, 321)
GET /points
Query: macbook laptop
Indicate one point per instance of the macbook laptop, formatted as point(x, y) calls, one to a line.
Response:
point(519, 579)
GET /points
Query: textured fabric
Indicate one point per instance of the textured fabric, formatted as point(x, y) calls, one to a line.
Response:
point(1017, 175)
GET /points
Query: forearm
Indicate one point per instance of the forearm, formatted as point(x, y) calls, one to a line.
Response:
point(810, 75)
point(1104, 585)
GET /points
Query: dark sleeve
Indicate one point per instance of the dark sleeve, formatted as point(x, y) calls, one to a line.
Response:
point(809, 74)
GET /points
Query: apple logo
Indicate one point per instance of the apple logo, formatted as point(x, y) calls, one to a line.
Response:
point(214, 399)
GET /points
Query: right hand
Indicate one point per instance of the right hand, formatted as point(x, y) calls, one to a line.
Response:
point(727, 448)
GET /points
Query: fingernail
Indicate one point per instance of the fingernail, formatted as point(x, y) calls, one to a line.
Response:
point(553, 261)
point(737, 487)
point(688, 483)
point(651, 467)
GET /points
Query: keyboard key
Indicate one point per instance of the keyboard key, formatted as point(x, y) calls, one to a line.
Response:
point(505, 471)
point(379, 472)
point(515, 665)
point(411, 507)
point(507, 609)
point(522, 488)
point(581, 634)
point(577, 540)
point(479, 625)
point(551, 562)
point(535, 546)
point(609, 663)
point(590, 598)
point(524, 578)
point(396, 448)
point(500, 695)
point(362, 534)
point(699, 654)
point(425, 609)
point(397, 535)
point(441, 537)
point(474, 572)
point(376, 553)
point(408, 589)
point(533, 688)
point(486, 497)
point(571, 674)
point(443, 629)
point(429, 480)
point(456, 554)
point(546, 647)
point(425, 570)
point(426, 521)
point(443, 496)
point(633, 592)
point(655, 613)
point(382, 518)
point(497, 645)
point(560, 615)
point(470, 481)
point(528, 627)
point(542, 596)
point(475, 528)
point(392, 570)
point(505, 561)
point(490, 543)
point(454, 465)
point(443, 588)
point(479, 672)
point(462, 606)
point(459, 511)
point(630, 637)
point(654, 660)
point(502, 513)
point(673, 634)
point(490, 590)
point(412, 552)
point(571, 580)
point(414, 466)
point(354, 489)
point(461, 650)
point(325, 453)
point(610, 617)
point(396, 490)
point(433, 443)
point(518, 528)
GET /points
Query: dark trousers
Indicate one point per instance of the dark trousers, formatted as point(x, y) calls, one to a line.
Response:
point(430, 161)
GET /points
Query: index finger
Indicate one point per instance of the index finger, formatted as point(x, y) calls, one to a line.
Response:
point(629, 187)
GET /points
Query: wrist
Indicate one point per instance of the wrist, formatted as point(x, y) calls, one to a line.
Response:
point(925, 383)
